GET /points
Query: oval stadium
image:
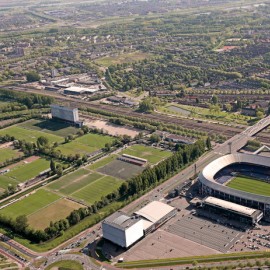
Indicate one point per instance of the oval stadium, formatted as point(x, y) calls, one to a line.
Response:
point(242, 179)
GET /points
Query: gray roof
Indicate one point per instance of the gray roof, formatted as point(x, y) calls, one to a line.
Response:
point(206, 177)
point(121, 220)
point(154, 211)
point(230, 206)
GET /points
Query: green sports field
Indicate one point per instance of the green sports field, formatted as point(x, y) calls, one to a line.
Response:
point(98, 188)
point(26, 171)
point(30, 204)
point(250, 185)
point(53, 212)
point(21, 133)
point(50, 126)
point(86, 144)
point(8, 153)
point(74, 181)
point(153, 155)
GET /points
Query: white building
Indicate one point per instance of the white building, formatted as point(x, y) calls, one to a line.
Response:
point(122, 229)
point(65, 113)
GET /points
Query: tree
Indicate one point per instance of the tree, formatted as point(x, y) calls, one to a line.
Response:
point(146, 106)
point(59, 170)
point(21, 223)
point(32, 76)
point(42, 141)
point(154, 138)
point(208, 143)
point(214, 99)
point(52, 166)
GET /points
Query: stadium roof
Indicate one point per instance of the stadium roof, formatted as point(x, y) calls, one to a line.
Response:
point(230, 206)
point(207, 175)
point(121, 220)
point(154, 211)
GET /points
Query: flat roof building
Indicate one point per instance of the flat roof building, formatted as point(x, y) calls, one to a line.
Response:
point(122, 229)
point(65, 113)
point(249, 215)
point(155, 214)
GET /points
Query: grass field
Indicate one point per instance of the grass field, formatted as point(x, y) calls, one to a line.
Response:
point(24, 172)
point(53, 212)
point(30, 204)
point(102, 162)
point(153, 155)
point(85, 145)
point(49, 126)
point(98, 188)
point(29, 135)
point(5, 181)
point(122, 58)
point(250, 185)
point(73, 182)
point(8, 153)
point(69, 265)
point(204, 113)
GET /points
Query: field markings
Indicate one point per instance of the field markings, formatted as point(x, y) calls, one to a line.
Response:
point(47, 204)
point(89, 184)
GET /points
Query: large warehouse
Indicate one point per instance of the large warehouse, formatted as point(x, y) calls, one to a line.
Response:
point(214, 186)
point(124, 230)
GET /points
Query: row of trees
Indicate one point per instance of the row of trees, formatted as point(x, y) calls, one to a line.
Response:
point(27, 99)
point(136, 186)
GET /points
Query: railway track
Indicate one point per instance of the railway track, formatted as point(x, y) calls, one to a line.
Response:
point(212, 128)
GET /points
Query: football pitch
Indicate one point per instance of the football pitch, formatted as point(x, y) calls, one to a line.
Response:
point(250, 185)
point(21, 133)
point(86, 144)
point(153, 155)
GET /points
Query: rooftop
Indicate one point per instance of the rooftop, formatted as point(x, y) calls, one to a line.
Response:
point(121, 220)
point(154, 211)
point(230, 206)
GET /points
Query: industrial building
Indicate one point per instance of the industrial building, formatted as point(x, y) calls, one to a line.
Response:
point(122, 229)
point(232, 210)
point(125, 230)
point(70, 115)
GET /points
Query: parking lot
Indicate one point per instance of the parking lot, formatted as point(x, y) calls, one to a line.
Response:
point(205, 232)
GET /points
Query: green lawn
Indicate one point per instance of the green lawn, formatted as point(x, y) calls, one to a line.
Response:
point(49, 126)
point(102, 162)
point(75, 182)
point(86, 144)
point(95, 190)
point(153, 155)
point(5, 181)
point(69, 265)
point(250, 185)
point(30, 204)
point(24, 172)
point(8, 153)
point(199, 112)
point(28, 135)
point(122, 58)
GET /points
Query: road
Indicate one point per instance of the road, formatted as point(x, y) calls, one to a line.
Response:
point(232, 145)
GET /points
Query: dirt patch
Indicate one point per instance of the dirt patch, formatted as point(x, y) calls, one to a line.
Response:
point(6, 145)
point(31, 159)
point(112, 129)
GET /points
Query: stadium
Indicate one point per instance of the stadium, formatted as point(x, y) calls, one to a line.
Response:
point(242, 179)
